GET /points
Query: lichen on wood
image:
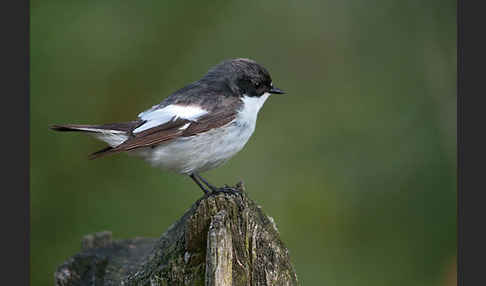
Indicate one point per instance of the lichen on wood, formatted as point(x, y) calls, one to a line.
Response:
point(223, 239)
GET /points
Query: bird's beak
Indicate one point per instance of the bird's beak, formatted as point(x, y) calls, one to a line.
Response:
point(276, 90)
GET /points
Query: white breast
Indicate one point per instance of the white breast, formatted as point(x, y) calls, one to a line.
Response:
point(210, 149)
point(251, 106)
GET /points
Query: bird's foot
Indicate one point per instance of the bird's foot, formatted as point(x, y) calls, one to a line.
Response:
point(225, 190)
point(238, 189)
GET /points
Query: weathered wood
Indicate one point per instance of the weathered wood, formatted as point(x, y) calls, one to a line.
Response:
point(223, 239)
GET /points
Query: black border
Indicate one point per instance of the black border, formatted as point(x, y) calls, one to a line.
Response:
point(471, 144)
point(16, 204)
point(15, 209)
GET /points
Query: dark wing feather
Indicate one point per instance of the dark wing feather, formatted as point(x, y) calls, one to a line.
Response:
point(171, 130)
point(145, 138)
point(208, 122)
point(155, 135)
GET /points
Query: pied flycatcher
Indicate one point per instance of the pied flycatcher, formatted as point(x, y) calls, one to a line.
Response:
point(197, 128)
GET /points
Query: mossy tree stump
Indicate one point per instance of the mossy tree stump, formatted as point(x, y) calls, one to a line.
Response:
point(223, 239)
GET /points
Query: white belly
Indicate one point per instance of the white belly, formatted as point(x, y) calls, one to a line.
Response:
point(201, 152)
point(210, 149)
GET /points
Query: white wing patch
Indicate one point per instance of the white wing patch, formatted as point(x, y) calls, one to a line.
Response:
point(185, 126)
point(171, 112)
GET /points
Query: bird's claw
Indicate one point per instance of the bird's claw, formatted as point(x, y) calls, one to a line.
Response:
point(225, 190)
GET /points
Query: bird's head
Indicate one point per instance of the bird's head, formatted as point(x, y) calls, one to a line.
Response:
point(244, 77)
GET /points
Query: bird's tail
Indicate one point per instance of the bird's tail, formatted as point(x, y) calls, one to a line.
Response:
point(122, 126)
point(114, 134)
point(76, 127)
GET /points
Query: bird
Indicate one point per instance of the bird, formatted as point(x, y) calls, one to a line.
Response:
point(196, 128)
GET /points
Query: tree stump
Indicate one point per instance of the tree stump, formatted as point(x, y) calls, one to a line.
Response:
point(223, 239)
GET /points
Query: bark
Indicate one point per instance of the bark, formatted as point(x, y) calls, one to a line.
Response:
point(223, 239)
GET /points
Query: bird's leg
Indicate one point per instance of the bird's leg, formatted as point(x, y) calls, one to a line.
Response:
point(213, 188)
point(199, 184)
point(225, 189)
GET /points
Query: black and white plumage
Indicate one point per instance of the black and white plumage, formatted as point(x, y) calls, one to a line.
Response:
point(198, 127)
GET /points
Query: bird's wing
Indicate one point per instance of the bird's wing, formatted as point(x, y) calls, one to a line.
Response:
point(159, 116)
point(176, 121)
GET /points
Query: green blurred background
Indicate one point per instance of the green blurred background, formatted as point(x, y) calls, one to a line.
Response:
point(356, 164)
